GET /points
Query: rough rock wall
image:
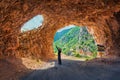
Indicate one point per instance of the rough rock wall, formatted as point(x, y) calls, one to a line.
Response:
point(114, 27)
point(33, 45)
point(107, 33)
point(95, 14)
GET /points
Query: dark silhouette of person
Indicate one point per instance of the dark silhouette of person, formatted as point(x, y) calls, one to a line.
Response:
point(59, 55)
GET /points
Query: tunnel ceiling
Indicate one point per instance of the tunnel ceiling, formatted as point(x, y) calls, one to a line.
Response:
point(96, 14)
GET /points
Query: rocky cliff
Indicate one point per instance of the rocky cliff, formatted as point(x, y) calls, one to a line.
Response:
point(102, 18)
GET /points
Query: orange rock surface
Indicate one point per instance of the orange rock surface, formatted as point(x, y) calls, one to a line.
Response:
point(102, 18)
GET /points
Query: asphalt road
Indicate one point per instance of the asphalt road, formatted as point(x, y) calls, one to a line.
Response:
point(76, 70)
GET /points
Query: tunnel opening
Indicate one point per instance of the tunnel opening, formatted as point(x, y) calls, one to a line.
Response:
point(75, 41)
point(33, 23)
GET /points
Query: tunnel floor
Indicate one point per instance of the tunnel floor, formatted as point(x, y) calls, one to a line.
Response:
point(77, 70)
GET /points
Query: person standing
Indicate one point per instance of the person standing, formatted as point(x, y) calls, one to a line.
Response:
point(59, 55)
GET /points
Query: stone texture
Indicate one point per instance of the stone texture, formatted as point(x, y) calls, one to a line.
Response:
point(33, 45)
point(102, 17)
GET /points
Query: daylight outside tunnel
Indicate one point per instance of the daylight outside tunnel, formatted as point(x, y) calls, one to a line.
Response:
point(33, 23)
point(75, 41)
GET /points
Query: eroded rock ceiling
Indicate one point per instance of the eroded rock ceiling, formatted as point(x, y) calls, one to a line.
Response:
point(102, 18)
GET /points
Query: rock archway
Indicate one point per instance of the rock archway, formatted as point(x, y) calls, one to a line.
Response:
point(101, 16)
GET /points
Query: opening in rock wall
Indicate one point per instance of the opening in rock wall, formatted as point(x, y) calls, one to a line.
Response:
point(75, 41)
point(33, 23)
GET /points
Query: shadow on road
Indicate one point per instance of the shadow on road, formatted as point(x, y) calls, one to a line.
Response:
point(75, 70)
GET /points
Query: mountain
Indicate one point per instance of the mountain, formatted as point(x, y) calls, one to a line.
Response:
point(75, 39)
point(58, 35)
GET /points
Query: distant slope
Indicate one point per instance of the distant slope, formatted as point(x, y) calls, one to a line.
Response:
point(68, 40)
point(58, 35)
point(76, 38)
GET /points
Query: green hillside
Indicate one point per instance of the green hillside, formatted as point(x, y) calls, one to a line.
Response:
point(58, 35)
point(77, 42)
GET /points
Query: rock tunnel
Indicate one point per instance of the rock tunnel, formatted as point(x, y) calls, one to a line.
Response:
point(102, 18)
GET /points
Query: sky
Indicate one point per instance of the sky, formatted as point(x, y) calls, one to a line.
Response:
point(66, 27)
point(36, 22)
